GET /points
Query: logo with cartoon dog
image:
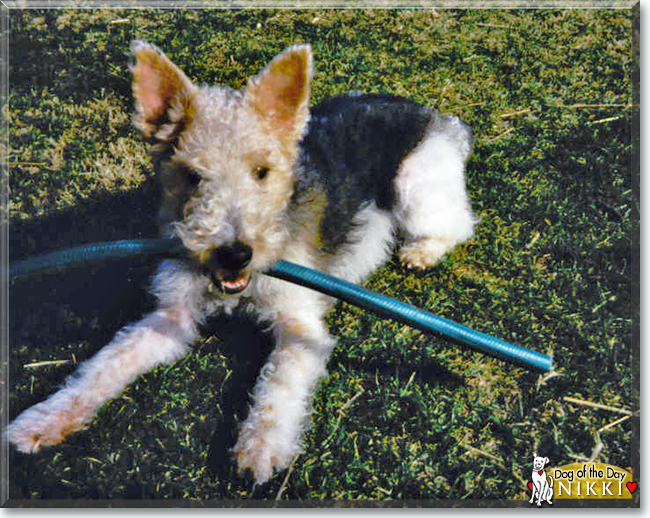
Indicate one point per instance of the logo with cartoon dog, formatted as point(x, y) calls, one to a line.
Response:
point(580, 481)
point(542, 484)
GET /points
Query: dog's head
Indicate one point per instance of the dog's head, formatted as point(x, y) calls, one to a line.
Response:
point(225, 158)
point(539, 462)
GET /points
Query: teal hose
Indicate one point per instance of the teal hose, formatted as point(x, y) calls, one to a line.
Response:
point(409, 315)
point(94, 252)
point(308, 278)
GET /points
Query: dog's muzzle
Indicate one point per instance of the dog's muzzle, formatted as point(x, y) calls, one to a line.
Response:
point(227, 266)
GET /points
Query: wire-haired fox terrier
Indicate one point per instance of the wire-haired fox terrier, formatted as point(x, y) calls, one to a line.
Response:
point(251, 177)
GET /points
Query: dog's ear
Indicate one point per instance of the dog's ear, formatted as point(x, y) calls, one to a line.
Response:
point(280, 93)
point(163, 94)
point(545, 461)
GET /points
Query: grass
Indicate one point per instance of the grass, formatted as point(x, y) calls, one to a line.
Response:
point(403, 415)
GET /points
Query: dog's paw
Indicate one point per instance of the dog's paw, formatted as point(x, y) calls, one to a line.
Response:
point(256, 459)
point(25, 440)
point(423, 253)
point(262, 454)
point(38, 426)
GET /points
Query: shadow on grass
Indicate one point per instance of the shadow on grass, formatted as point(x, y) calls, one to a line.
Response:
point(37, 60)
point(86, 304)
point(73, 313)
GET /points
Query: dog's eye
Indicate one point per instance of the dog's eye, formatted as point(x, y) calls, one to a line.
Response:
point(261, 172)
point(191, 177)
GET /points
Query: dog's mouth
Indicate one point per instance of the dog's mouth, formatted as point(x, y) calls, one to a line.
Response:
point(230, 283)
point(227, 267)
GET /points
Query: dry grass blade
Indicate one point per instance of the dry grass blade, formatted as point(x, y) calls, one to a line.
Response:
point(599, 444)
point(599, 406)
point(45, 364)
point(285, 481)
point(515, 113)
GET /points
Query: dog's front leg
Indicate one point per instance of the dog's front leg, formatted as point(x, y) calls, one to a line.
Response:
point(161, 337)
point(549, 494)
point(271, 435)
point(540, 493)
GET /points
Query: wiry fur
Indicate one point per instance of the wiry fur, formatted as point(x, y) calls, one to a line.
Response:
point(248, 179)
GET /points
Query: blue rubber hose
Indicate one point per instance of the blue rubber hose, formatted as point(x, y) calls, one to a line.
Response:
point(95, 252)
point(409, 315)
point(308, 278)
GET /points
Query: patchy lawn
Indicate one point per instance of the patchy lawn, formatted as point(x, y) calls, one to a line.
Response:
point(403, 415)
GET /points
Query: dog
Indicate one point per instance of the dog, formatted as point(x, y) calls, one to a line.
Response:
point(253, 176)
point(542, 483)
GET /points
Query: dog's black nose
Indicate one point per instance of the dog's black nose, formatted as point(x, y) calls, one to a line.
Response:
point(232, 257)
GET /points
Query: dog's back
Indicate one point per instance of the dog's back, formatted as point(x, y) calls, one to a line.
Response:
point(355, 148)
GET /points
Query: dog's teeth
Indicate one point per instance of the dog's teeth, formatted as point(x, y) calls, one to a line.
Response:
point(239, 284)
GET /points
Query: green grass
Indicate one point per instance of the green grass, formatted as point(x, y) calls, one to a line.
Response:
point(403, 415)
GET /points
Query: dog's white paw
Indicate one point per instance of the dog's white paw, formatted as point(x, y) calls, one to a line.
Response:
point(41, 426)
point(423, 253)
point(24, 439)
point(262, 452)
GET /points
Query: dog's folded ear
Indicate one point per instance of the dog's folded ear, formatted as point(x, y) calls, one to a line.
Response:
point(163, 94)
point(280, 93)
